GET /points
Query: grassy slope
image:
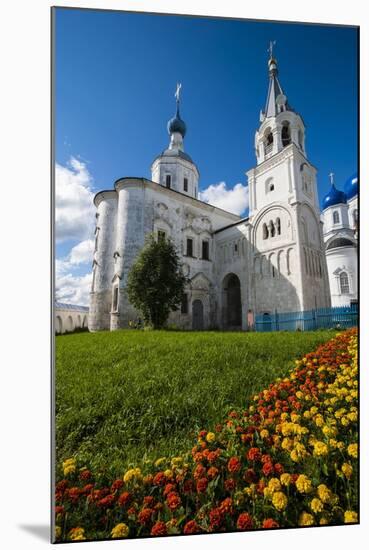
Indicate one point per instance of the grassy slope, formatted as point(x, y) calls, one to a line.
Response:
point(125, 395)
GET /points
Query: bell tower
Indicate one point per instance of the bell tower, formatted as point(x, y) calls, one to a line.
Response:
point(284, 210)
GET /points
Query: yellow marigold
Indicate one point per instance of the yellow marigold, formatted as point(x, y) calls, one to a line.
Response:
point(306, 519)
point(333, 443)
point(316, 505)
point(133, 473)
point(287, 443)
point(345, 421)
point(347, 469)
point(294, 416)
point(160, 461)
point(264, 434)
point(323, 521)
point(176, 461)
point(284, 416)
point(120, 531)
point(279, 501)
point(350, 516)
point(69, 466)
point(210, 437)
point(340, 445)
point(274, 484)
point(303, 484)
point(168, 474)
point(324, 493)
point(352, 450)
point(314, 410)
point(307, 415)
point(299, 394)
point(58, 532)
point(320, 449)
point(77, 533)
point(319, 420)
point(285, 479)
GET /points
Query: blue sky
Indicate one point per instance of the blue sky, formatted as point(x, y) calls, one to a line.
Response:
point(115, 80)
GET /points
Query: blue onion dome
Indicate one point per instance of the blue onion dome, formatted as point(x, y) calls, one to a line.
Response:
point(334, 197)
point(351, 186)
point(176, 124)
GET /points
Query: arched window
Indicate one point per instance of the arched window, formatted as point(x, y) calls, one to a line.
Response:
point(115, 299)
point(272, 229)
point(286, 134)
point(301, 139)
point(344, 283)
point(278, 225)
point(265, 231)
point(268, 141)
point(336, 217)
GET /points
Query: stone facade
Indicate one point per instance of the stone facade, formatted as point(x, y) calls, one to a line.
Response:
point(274, 260)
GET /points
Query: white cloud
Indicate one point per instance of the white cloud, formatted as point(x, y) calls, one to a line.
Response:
point(82, 253)
point(74, 209)
point(73, 289)
point(235, 200)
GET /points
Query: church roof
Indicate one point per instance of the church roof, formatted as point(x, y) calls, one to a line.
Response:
point(72, 307)
point(351, 187)
point(275, 95)
point(333, 197)
point(338, 243)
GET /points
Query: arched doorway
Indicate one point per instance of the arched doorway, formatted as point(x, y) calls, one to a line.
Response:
point(267, 322)
point(85, 323)
point(70, 324)
point(232, 302)
point(58, 324)
point(79, 323)
point(197, 315)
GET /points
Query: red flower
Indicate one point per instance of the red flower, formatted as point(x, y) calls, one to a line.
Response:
point(268, 468)
point(254, 454)
point(226, 506)
point(266, 458)
point(87, 489)
point(159, 529)
point(250, 476)
point(244, 522)
point(144, 517)
point(62, 485)
point(212, 456)
point(148, 501)
point(230, 485)
point(169, 488)
point(173, 501)
point(198, 457)
point(106, 502)
point(191, 528)
point(216, 518)
point(199, 471)
point(270, 524)
point(234, 465)
point(85, 475)
point(73, 494)
point(159, 479)
point(202, 485)
point(59, 510)
point(118, 484)
point(218, 428)
point(124, 499)
point(132, 511)
point(278, 468)
point(212, 472)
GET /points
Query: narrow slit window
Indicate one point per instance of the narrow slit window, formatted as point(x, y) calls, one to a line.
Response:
point(115, 299)
point(185, 185)
point(168, 180)
point(184, 304)
point(189, 247)
point(205, 250)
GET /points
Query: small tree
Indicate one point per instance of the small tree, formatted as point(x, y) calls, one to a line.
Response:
point(156, 284)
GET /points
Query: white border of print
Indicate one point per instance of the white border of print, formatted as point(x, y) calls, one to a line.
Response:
point(25, 267)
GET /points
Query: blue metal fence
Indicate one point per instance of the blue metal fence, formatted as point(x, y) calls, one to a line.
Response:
point(333, 317)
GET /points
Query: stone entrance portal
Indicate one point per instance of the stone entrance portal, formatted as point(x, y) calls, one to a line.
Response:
point(232, 313)
point(197, 315)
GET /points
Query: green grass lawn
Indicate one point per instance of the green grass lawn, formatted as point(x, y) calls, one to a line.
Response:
point(128, 395)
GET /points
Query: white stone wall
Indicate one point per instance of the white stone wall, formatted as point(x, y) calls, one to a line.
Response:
point(343, 259)
point(68, 320)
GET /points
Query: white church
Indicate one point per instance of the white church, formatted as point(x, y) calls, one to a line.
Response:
point(286, 256)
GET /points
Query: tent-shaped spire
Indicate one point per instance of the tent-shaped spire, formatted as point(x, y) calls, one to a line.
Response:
point(276, 100)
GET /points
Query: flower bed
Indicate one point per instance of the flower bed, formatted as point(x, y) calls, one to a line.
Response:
point(289, 459)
